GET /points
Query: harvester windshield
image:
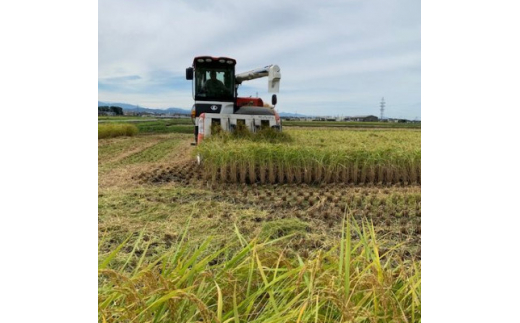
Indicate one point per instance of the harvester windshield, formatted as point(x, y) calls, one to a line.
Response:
point(214, 83)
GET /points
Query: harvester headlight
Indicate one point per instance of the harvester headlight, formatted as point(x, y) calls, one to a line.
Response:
point(222, 60)
point(208, 60)
point(200, 60)
point(229, 62)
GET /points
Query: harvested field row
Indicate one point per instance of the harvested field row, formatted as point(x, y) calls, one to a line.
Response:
point(116, 152)
point(313, 213)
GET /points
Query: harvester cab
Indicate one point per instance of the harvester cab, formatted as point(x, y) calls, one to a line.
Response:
point(217, 105)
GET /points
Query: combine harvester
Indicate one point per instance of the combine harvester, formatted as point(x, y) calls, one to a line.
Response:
point(215, 91)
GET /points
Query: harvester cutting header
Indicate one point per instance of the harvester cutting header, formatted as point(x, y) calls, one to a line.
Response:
point(215, 91)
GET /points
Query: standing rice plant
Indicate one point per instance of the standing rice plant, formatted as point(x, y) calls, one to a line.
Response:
point(112, 130)
point(259, 281)
point(271, 171)
point(389, 172)
point(223, 173)
point(354, 172)
point(307, 170)
point(298, 168)
point(288, 166)
point(346, 156)
point(415, 168)
point(318, 168)
point(243, 171)
point(251, 171)
point(206, 172)
point(330, 163)
point(363, 173)
point(233, 171)
point(329, 171)
point(404, 167)
point(280, 177)
point(418, 171)
point(371, 162)
point(380, 173)
point(345, 173)
point(262, 173)
point(214, 171)
point(270, 156)
point(298, 174)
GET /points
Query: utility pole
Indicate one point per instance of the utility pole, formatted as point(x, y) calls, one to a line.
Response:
point(382, 107)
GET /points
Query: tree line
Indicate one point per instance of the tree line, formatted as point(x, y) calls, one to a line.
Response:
point(117, 110)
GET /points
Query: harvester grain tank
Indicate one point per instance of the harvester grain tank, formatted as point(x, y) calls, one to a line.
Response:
point(215, 91)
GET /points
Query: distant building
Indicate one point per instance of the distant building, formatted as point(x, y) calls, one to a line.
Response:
point(369, 118)
point(399, 121)
point(290, 118)
point(106, 113)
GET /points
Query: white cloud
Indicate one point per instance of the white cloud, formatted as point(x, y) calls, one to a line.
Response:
point(337, 53)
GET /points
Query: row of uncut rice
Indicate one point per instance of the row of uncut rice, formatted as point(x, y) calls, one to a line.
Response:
point(316, 156)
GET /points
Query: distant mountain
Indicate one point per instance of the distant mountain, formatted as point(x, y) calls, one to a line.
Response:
point(132, 107)
point(292, 115)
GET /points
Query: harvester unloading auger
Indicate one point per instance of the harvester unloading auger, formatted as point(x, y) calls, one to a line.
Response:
point(215, 91)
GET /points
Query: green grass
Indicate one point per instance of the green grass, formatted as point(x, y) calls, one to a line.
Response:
point(153, 154)
point(163, 126)
point(116, 130)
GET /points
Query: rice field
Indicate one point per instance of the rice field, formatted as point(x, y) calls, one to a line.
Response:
point(148, 125)
point(181, 242)
point(316, 156)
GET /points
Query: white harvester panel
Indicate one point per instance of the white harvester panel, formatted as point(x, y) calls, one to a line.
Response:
point(230, 122)
point(274, 79)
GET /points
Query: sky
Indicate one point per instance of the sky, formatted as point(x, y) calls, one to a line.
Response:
point(337, 58)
